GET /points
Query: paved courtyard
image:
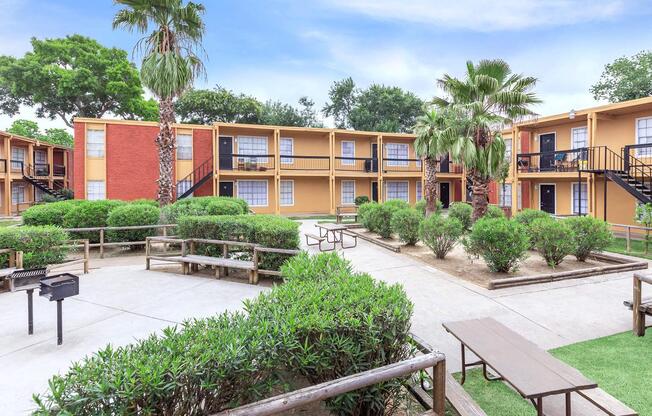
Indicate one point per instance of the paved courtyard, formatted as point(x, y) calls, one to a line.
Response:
point(121, 301)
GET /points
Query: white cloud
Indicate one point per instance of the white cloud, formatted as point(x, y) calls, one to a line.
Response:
point(485, 15)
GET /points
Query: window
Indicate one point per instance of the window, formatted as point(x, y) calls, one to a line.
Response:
point(287, 193)
point(519, 198)
point(17, 157)
point(397, 190)
point(348, 151)
point(508, 149)
point(397, 151)
point(95, 143)
point(252, 145)
point(95, 190)
point(287, 149)
point(583, 199)
point(419, 192)
point(579, 138)
point(183, 186)
point(17, 193)
point(254, 192)
point(505, 192)
point(644, 136)
point(348, 192)
point(38, 195)
point(184, 147)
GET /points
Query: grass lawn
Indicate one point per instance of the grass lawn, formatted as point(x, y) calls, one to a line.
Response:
point(621, 365)
point(6, 223)
point(638, 248)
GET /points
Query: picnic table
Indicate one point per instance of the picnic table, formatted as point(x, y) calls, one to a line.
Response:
point(531, 371)
point(337, 231)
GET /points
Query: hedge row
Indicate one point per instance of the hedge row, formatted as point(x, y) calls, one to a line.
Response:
point(41, 245)
point(323, 323)
point(206, 205)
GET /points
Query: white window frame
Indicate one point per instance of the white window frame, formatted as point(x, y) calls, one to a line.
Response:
point(239, 181)
point(342, 192)
point(642, 152)
point(586, 137)
point(184, 152)
point(102, 197)
point(23, 153)
point(95, 150)
point(519, 195)
point(396, 182)
point(286, 160)
point(508, 149)
point(182, 189)
point(351, 159)
point(585, 209)
point(502, 202)
point(20, 198)
point(402, 163)
point(242, 156)
point(418, 191)
point(280, 193)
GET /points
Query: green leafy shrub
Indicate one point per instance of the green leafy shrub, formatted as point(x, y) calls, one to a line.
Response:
point(340, 326)
point(132, 214)
point(590, 235)
point(494, 211)
point(224, 207)
point(421, 207)
point(396, 204)
point(501, 243)
point(365, 214)
point(463, 212)
point(380, 219)
point(405, 222)
point(321, 266)
point(41, 245)
point(145, 201)
point(362, 199)
point(204, 205)
point(90, 214)
point(49, 214)
point(527, 217)
point(265, 230)
point(553, 239)
point(203, 367)
point(441, 234)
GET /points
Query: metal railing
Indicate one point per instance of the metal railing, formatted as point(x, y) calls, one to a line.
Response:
point(41, 169)
point(246, 163)
point(572, 160)
point(305, 163)
point(356, 164)
point(186, 185)
point(402, 165)
point(59, 170)
point(451, 168)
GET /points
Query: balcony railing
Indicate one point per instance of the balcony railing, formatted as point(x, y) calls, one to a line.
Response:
point(319, 163)
point(357, 164)
point(451, 168)
point(59, 170)
point(402, 165)
point(41, 169)
point(557, 161)
point(246, 163)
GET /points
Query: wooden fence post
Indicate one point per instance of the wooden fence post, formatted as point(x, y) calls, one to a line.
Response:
point(101, 243)
point(639, 317)
point(165, 234)
point(439, 388)
point(147, 252)
point(629, 239)
point(19, 259)
point(87, 250)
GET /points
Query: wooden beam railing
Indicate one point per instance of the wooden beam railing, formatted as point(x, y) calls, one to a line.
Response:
point(102, 234)
point(330, 389)
point(85, 260)
point(15, 257)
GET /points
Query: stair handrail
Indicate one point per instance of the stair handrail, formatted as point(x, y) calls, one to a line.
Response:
point(602, 158)
point(637, 169)
point(199, 172)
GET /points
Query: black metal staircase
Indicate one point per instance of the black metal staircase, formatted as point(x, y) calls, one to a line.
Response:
point(34, 174)
point(196, 178)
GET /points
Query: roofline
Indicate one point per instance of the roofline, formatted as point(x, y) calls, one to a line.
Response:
point(35, 141)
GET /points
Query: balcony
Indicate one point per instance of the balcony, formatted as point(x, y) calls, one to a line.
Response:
point(357, 164)
point(246, 163)
point(308, 163)
point(557, 161)
point(391, 165)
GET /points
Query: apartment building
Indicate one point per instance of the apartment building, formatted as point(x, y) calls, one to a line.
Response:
point(283, 170)
point(30, 169)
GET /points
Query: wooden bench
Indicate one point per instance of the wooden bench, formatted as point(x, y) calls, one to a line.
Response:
point(640, 307)
point(341, 214)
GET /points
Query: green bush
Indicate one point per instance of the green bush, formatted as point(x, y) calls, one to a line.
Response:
point(396, 204)
point(203, 367)
point(405, 223)
point(132, 214)
point(204, 205)
point(265, 230)
point(441, 234)
point(494, 211)
point(590, 235)
point(462, 211)
point(421, 207)
point(337, 327)
point(145, 201)
point(90, 214)
point(49, 214)
point(364, 213)
point(41, 245)
point(527, 217)
point(362, 199)
point(553, 239)
point(502, 243)
point(318, 267)
point(224, 207)
point(380, 219)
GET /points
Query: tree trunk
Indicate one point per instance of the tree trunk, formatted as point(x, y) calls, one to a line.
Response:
point(480, 195)
point(431, 191)
point(166, 144)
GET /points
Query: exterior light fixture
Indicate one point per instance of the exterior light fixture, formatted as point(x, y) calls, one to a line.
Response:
point(571, 115)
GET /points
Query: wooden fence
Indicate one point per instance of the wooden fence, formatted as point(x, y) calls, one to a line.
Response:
point(85, 260)
point(102, 234)
point(15, 257)
point(626, 231)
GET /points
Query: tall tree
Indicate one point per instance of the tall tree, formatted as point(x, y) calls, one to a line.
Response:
point(625, 79)
point(489, 97)
point(29, 128)
point(342, 96)
point(277, 113)
point(218, 104)
point(434, 132)
point(71, 77)
point(170, 64)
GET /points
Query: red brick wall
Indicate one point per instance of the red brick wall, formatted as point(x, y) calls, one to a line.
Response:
point(457, 191)
point(78, 171)
point(202, 150)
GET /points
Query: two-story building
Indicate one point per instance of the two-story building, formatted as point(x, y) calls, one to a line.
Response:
point(29, 169)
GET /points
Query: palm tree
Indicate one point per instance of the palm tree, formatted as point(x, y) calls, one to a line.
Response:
point(170, 64)
point(432, 130)
point(489, 98)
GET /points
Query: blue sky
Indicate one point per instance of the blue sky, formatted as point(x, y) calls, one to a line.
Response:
point(283, 49)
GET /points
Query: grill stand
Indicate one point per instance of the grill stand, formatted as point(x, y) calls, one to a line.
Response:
point(59, 322)
point(30, 312)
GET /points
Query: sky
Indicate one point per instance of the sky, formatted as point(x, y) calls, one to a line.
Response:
point(285, 49)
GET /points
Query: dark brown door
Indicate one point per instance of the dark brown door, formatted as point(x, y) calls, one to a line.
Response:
point(226, 189)
point(374, 191)
point(547, 202)
point(444, 194)
point(547, 148)
point(226, 153)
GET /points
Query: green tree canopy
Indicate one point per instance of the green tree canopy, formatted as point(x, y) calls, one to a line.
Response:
point(625, 79)
point(279, 114)
point(29, 128)
point(377, 108)
point(71, 77)
point(218, 104)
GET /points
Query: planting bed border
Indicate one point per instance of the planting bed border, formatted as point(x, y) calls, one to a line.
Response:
point(373, 240)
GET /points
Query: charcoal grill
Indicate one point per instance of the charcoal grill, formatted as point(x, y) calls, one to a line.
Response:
point(28, 280)
point(57, 288)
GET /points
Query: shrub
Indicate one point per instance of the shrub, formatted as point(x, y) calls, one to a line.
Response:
point(396, 204)
point(380, 219)
point(364, 213)
point(224, 207)
point(266, 230)
point(132, 214)
point(50, 213)
point(590, 235)
point(552, 239)
point(494, 211)
point(205, 205)
point(421, 207)
point(88, 215)
point(203, 367)
point(318, 267)
point(145, 201)
point(337, 327)
point(462, 211)
point(440, 234)
point(527, 217)
point(405, 222)
point(501, 243)
point(41, 245)
point(362, 199)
